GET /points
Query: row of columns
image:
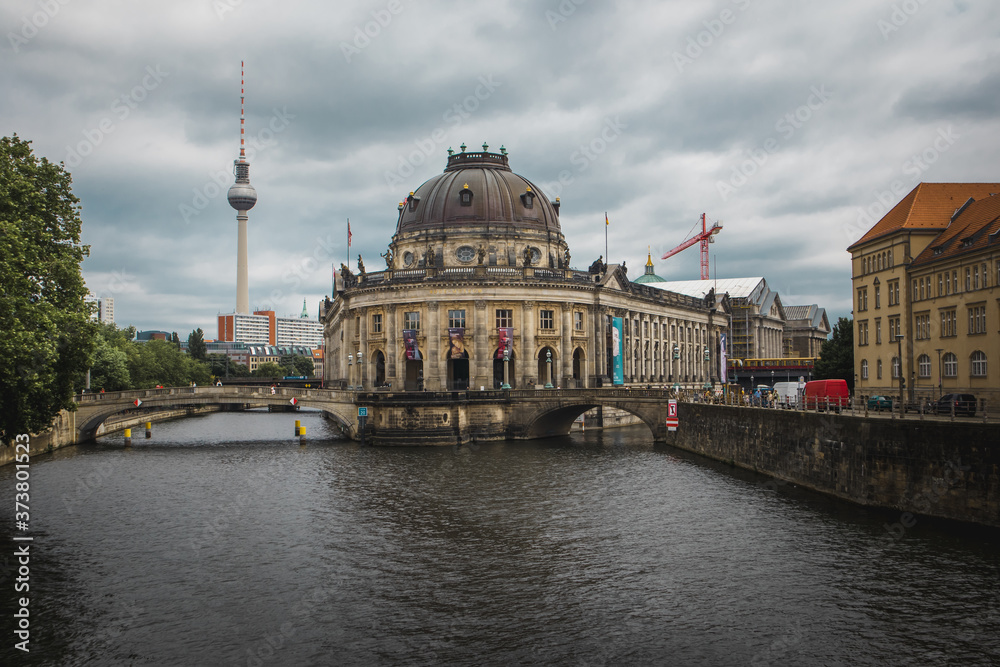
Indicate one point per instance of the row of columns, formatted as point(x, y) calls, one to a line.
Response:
point(655, 346)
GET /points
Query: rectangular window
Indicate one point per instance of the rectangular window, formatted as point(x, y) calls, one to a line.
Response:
point(947, 282)
point(862, 299)
point(940, 291)
point(456, 319)
point(968, 280)
point(411, 320)
point(878, 332)
point(954, 281)
point(975, 277)
point(645, 328)
point(578, 320)
point(862, 333)
point(878, 296)
point(505, 318)
point(546, 320)
point(377, 323)
point(977, 319)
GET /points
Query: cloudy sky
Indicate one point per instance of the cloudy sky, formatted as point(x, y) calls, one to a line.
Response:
point(795, 123)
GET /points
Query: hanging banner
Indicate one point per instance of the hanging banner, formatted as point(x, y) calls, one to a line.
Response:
point(410, 342)
point(456, 343)
point(506, 336)
point(723, 371)
point(618, 368)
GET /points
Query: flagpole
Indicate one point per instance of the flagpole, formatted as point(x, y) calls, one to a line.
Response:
point(607, 257)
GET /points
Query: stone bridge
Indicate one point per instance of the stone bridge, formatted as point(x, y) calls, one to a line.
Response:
point(401, 418)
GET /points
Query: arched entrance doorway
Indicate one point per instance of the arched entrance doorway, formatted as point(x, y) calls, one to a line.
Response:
point(458, 372)
point(579, 368)
point(546, 372)
point(379, 368)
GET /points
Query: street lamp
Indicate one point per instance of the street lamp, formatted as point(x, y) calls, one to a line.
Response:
point(902, 380)
point(506, 359)
point(350, 372)
point(940, 386)
point(361, 377)
point(548, 372)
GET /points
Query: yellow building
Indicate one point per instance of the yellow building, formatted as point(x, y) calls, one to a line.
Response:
point(925, 295)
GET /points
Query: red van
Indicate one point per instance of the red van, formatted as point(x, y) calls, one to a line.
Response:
point(819, 394)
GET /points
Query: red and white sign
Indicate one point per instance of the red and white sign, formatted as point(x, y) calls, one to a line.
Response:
point(672, 415)
point(293, 401)
point(137, 402)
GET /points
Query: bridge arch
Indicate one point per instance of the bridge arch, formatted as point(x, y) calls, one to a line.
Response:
point(557, 420)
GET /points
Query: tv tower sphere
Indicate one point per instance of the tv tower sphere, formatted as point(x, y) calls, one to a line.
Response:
point(242, 196)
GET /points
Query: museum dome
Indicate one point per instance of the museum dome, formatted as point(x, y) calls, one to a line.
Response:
point(478, 189)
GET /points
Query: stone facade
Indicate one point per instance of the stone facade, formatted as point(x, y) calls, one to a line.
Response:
point(466, 263)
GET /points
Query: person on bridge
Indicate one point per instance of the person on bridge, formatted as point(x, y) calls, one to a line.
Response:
point(218, 383)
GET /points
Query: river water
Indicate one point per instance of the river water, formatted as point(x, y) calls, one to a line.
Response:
point(221, 541)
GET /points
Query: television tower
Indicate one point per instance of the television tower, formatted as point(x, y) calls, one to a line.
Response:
point(242, 197)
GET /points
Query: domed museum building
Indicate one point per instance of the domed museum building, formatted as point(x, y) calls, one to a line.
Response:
point(479, 291)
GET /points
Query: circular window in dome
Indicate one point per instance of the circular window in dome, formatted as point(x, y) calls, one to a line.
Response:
point(466, 253)
point(536, 256)
point(407, 259)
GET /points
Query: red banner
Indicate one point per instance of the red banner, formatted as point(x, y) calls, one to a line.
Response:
point(410, 341)
point(506, 335)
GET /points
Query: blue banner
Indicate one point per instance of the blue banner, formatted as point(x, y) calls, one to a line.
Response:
point(618, 369)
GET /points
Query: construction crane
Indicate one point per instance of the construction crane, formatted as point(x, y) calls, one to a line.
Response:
point(705, 236)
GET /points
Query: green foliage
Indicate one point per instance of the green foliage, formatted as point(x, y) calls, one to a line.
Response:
point(269, 369)
point(221, 366)
point(196, 345)
point(303, 366)
point(47, 336)
point(836, 357)
point(110, 369)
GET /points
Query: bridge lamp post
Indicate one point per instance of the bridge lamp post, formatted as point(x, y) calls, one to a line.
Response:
point(506, 360)
point(350, 372)
point(361, 375)
point(548, 367)
point(940, 388)
point(902, 380)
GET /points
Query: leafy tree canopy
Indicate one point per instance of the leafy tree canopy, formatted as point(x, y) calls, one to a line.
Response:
point(48, 337)
point(269, 369)
point(836, 357)
point(196, 345)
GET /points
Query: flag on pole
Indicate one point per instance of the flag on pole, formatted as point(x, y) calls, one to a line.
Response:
point(606, 221)
point(348, 232)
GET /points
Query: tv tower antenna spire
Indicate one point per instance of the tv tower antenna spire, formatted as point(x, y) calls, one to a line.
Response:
point(242, 197)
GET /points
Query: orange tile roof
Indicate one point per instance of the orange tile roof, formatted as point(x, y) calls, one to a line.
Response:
point(928, 206)
point(968, 233)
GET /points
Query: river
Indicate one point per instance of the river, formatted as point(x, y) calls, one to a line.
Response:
point(222, 541)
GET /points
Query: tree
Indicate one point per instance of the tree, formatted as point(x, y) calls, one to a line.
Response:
point(196, 345)
point(836, 357)
point(176, 340)
point(304, 366)
point(48, 337)
point(269, 369)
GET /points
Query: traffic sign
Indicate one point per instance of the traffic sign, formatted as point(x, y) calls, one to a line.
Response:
point(293, 401)
point(137, 402)
point(362, 412)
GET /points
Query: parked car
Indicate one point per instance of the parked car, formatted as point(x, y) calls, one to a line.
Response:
point(879, 403)
point(964, 404)
point(825, 394)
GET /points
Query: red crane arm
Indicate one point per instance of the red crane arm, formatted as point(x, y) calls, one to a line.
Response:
point(690, 242)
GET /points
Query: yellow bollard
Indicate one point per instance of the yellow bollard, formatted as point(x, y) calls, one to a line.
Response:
point(302, 435)
point(298, 425)
point(149, 430)
point(128, 437)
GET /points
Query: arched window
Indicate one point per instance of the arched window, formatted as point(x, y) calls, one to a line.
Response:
point(950, 365)
point(864, 369)
point(924, 366)
point(978, 364)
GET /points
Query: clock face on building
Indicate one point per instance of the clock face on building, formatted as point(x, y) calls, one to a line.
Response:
point(466, 253)
point(407, 259)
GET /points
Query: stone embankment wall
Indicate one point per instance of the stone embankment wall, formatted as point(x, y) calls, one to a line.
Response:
point(63, 432)
point(929, 467)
